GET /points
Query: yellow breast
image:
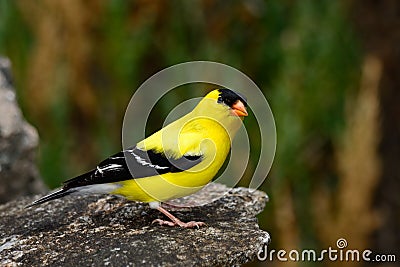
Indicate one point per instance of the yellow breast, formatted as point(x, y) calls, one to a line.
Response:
point(202, 136)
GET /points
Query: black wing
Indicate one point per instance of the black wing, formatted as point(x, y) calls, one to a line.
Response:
point(141, 163)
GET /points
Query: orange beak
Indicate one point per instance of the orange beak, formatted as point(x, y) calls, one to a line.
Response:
point(239, 109)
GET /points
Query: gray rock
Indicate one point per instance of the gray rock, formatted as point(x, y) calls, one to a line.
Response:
point(18, 144)
point(110, 231)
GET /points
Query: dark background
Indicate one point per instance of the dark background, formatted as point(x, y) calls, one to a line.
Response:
point(329, 69)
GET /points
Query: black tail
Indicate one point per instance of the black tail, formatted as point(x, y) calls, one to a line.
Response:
point(57, 194)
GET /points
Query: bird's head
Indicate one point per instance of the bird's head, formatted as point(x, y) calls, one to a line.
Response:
point(234, 102)
point(224, 106)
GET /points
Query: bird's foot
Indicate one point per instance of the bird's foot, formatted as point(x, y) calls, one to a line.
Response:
point(175, 221)
point(191, 224)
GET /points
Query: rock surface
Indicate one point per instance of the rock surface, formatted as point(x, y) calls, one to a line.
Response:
point(110, 231)
point(18, 144)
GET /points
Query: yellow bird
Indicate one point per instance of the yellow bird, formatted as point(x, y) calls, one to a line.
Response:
point(176, 161)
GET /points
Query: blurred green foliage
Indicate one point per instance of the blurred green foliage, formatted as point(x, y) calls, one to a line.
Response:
point(302, 54)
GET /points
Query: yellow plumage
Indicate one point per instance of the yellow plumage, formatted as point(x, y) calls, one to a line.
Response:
point(174, 162)
point(204, 132)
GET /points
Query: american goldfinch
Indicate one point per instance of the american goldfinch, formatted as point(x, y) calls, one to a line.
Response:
point(176, 161)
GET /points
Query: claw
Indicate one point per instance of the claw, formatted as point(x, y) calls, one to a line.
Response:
point(162, 222)
point(191, 224)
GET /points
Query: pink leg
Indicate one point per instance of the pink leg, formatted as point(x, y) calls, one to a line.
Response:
point(175, 221)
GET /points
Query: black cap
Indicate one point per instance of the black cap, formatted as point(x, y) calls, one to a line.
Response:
point(230, 97)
